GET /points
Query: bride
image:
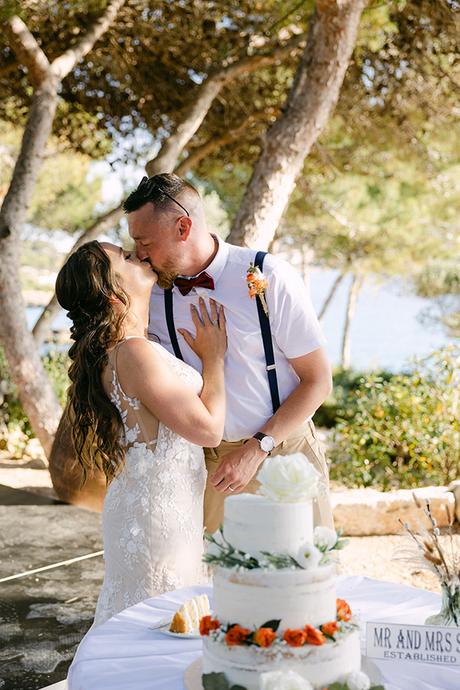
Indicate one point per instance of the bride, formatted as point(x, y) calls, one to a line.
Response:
point(142, 417)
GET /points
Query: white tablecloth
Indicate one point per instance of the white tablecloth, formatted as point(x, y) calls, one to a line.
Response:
point(123, 654)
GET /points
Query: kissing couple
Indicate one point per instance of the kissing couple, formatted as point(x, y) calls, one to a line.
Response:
point(192, 361)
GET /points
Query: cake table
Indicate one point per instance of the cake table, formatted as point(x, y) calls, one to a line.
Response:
point(124, 654)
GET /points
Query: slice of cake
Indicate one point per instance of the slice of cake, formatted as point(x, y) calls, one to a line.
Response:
point(187, 618)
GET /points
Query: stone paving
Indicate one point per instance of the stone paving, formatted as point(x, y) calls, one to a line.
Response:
point(44, 616)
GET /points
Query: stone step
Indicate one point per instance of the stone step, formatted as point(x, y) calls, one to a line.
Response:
point(365, 512)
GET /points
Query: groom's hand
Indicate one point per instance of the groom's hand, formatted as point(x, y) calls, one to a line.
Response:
point(238, 467)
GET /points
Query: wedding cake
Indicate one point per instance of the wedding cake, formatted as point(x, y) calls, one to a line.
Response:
point(275, 610)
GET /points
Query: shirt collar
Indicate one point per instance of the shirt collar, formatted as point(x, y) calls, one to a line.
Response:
point(217, 265)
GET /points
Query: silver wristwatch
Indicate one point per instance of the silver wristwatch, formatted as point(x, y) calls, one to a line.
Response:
point(266, 443)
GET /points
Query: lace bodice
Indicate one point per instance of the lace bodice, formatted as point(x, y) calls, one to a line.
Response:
point(153, 510)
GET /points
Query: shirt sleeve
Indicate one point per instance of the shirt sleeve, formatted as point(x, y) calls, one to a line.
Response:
point(293, 320)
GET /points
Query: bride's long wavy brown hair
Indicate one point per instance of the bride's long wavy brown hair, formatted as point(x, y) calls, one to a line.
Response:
point(85, 288)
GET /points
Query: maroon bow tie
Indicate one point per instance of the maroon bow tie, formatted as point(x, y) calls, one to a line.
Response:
point(203, 280)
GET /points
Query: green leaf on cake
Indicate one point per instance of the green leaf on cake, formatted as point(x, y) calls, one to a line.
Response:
point(237, 687)
point(273, 625)
point(215, 681)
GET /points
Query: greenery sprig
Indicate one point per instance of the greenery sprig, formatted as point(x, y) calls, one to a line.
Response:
point(229, 557)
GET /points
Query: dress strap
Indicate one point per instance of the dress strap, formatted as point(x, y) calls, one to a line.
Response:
point(134, 403)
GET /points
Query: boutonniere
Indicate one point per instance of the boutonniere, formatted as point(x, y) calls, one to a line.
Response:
point(257, 284)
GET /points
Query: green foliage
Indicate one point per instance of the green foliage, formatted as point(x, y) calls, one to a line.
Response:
point(340, 403)
point(218, 681)
point(64, 198)
point(403, 432)
point(56, 365)
point(13, 421)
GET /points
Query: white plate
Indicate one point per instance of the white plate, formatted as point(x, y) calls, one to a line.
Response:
point(184, 636)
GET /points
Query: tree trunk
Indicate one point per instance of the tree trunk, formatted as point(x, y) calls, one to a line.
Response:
point(35, 391)
point(34, 388)
point(345, 354)
point(311, 100)
point(330, 296)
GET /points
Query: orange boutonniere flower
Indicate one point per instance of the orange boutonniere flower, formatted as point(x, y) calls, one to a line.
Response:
point(330, 629)
point(343, 610)
point(207, 623)
point(257, 284)
point(295, 638)
point(314, 636)
point(236, 635)
point(264, 637)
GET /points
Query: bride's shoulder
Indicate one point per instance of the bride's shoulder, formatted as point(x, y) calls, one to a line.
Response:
point(133, 350)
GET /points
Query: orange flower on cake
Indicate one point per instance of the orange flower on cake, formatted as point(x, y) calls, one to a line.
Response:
point(295, 638)
point(314, 636)
point(330, 629)
point(263, 637)
point(207, 623)
point(236, 635)
point(343, 610)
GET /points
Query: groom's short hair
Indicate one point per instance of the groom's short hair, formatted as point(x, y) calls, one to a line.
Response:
point(158, 189)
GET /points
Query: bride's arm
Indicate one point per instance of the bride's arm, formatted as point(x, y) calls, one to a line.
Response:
point(145, 374)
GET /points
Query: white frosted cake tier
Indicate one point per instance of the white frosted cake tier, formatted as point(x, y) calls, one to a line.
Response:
point(321, 665)
point(297, 597)
point(254, 523)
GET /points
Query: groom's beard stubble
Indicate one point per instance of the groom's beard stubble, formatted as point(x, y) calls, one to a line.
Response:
point(165, 280)
point(166, 276)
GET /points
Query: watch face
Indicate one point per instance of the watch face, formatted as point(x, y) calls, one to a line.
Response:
point(267, 444)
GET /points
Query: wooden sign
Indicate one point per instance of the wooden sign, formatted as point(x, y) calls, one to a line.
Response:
point(427, 644)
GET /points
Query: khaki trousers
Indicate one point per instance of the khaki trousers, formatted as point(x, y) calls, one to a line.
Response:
point(302, 440)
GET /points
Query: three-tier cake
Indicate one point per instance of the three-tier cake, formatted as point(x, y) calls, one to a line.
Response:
point(275, 607)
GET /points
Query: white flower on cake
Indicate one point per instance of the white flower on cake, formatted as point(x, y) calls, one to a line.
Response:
point(357, 680)
point(324, 538)
point(289, 478)
point(308, 556)
point(283, 680)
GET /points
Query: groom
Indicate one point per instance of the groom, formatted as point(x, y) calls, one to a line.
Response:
point(276, 370)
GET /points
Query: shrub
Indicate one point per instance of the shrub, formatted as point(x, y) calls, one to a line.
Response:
point(340, 402)
point(402, 432)
point(15, 429)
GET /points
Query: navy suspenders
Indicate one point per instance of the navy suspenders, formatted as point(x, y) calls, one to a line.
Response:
point(267, 341)
point(264, 329)
point(170, 323)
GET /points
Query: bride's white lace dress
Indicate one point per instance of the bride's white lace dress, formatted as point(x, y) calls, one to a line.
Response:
point(153, 510)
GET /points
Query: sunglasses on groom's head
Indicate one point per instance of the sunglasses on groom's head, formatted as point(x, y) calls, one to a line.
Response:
point(151, 189)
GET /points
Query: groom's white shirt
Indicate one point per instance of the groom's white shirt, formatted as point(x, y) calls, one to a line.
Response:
point(294, 325)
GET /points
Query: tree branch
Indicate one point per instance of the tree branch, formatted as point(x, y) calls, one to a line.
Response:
point(166, 159)
point(251, 63)
point(197, 154)
point(62, 65)
point(27, 50)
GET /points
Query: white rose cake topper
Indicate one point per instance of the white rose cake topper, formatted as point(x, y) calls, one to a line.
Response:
point(257, 284)
point(289, 479)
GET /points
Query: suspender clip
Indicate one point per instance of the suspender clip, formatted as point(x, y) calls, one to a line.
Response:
point(271, 367)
